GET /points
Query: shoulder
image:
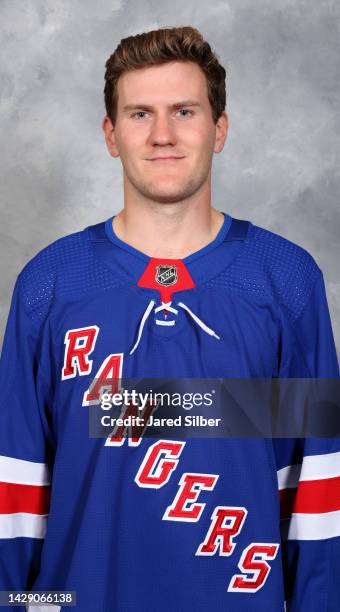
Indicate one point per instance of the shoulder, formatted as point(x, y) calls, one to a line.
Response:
point(65, 266)
point(63, 250)
point(280, 255)
point(285, 269)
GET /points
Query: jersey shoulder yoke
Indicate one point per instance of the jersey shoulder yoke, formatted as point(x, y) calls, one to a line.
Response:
point(271, 265)
point(66, 266)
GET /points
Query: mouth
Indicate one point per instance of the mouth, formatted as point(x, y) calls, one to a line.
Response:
point(170, 158)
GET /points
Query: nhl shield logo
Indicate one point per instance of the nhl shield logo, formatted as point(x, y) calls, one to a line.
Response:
point(166, 275)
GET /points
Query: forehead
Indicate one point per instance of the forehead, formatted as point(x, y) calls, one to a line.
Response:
point(165, 83)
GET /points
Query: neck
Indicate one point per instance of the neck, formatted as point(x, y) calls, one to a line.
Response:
point(168, 230)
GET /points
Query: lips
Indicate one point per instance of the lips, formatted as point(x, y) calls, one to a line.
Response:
point(169, 158)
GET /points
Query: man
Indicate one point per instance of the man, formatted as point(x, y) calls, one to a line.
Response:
point(170, 287)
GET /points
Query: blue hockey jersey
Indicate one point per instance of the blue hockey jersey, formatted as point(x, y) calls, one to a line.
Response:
point(160, 525)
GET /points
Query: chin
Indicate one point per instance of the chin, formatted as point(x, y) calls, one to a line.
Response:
point(166, 198)
point(169, 194)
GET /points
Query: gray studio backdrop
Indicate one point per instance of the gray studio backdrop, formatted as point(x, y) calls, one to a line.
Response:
point(280, 167)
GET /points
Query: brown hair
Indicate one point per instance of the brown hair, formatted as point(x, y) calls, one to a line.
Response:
point(160, 47)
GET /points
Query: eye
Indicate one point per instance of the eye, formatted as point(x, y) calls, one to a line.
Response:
point(185, 110)
point(139, 114)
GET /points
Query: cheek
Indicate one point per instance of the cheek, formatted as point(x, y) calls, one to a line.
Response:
point(130, 139)
point(204, 145)
point(201, 138)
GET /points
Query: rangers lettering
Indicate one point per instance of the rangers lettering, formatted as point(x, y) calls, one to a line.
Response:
point(253, 562)
point(118, 435)
point(226, 524)
point(155, 470)
point(107, 379)
point(79, 343)
point(190, 487)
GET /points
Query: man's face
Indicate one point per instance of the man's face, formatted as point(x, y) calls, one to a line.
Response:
point(164, 132)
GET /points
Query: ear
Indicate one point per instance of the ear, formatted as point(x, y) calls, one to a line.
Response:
point(221, 132)
point(110, 139)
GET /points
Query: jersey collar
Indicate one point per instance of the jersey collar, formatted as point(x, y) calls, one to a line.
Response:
point(112, 236)
point(129, 263)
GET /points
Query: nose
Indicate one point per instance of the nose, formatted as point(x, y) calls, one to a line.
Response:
point(162, 131)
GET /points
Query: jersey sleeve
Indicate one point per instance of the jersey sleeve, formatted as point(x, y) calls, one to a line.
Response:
point(309, 473)
point(26, 447)
point(308, 348)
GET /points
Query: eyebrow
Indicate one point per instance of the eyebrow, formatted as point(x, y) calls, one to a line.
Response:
point(148, 107)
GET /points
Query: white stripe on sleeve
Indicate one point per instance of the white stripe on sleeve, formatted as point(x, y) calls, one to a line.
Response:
point(311, 526)
point(314, 467)
point(20, 471)
point(23, 525)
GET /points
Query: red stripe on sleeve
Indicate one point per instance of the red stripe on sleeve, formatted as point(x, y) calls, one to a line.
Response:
point(24, 498)
point(311, 497)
